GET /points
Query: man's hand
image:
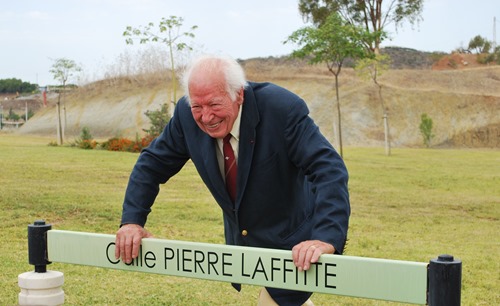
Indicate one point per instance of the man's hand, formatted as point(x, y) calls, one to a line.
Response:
point(308, 252)
point(128, 240)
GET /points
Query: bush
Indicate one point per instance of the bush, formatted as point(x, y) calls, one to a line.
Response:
point(159, 119)
point(426, 129)
point(486, 58)
point(117, 144)
point(144, 142)
point(87, 144)
point(12, 115)
point(127, 145)
point(86, 140)
point(85, 134)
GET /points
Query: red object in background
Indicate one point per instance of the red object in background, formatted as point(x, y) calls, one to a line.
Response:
point(44, 94)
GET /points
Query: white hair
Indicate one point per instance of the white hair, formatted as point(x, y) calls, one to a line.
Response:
point(233, 73)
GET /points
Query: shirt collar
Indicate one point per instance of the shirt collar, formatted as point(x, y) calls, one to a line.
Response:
point(235, 131)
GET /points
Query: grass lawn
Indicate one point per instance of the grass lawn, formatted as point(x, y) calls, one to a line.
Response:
point(413, 205)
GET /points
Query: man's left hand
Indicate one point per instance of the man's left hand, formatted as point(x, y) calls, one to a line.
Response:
point(308, 252)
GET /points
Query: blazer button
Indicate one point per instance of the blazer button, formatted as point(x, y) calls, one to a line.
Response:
point(244, 233)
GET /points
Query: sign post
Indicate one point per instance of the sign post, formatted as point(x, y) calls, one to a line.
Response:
point(40, 287)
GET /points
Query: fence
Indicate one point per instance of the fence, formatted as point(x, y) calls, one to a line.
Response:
point(435, 283)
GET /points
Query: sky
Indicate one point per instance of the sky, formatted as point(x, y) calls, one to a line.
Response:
point(34, 33)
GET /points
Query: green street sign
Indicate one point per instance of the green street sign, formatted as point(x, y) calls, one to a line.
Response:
point(383, 279)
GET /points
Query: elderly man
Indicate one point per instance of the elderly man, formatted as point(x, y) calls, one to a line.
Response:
point(278, 181)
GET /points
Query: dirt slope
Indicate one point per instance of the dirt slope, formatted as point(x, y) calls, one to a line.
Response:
point(464, 104)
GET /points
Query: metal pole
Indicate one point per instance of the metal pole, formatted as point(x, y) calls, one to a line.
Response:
point(445, 280)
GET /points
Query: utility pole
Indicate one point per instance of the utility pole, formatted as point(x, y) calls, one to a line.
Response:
point(494, 33)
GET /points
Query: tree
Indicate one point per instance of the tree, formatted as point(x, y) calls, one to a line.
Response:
point(12, 115)
point(86, 140)
point(479, 44)
point(496, 54)
point(159, 119)
point(372, 15)
point(167, 32)
point(331, 42)
point(372, 68)
point(426, 129)
point(14, 85)
point(62, 70)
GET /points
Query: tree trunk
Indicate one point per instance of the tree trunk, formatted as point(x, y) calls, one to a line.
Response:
point(174, 84)
point(63, 129)
point(59, 130)
point(338, 115)
point(387, 135)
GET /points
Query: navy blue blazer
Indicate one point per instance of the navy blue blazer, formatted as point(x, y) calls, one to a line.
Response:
point(292, 184)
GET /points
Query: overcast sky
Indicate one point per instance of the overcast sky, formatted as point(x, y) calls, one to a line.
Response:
point(34, 32)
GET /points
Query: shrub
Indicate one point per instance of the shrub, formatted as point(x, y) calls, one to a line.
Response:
point(86, 140)
point(486, 58)
point(118, 144)
point(85, 134)
point(159, 119)
point(127, 145)
point(426, 129)
point(141, 143)
point(12, 115)
point(87, 144)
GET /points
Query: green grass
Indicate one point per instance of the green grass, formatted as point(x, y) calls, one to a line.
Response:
point(413, 205)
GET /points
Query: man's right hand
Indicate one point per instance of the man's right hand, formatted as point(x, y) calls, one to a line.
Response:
point(128, 241)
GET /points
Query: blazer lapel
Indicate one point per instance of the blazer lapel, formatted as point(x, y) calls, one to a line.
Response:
point(249, 121)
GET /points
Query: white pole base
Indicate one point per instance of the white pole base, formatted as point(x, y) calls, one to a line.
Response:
point(41, 288)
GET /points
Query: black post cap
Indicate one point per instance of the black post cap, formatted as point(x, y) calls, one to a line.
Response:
point(37, 245)
point(445, 281)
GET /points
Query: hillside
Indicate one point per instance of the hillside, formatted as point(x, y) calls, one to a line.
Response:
point(463, 103)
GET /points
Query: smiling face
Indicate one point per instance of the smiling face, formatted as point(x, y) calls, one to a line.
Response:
point(211, 106)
